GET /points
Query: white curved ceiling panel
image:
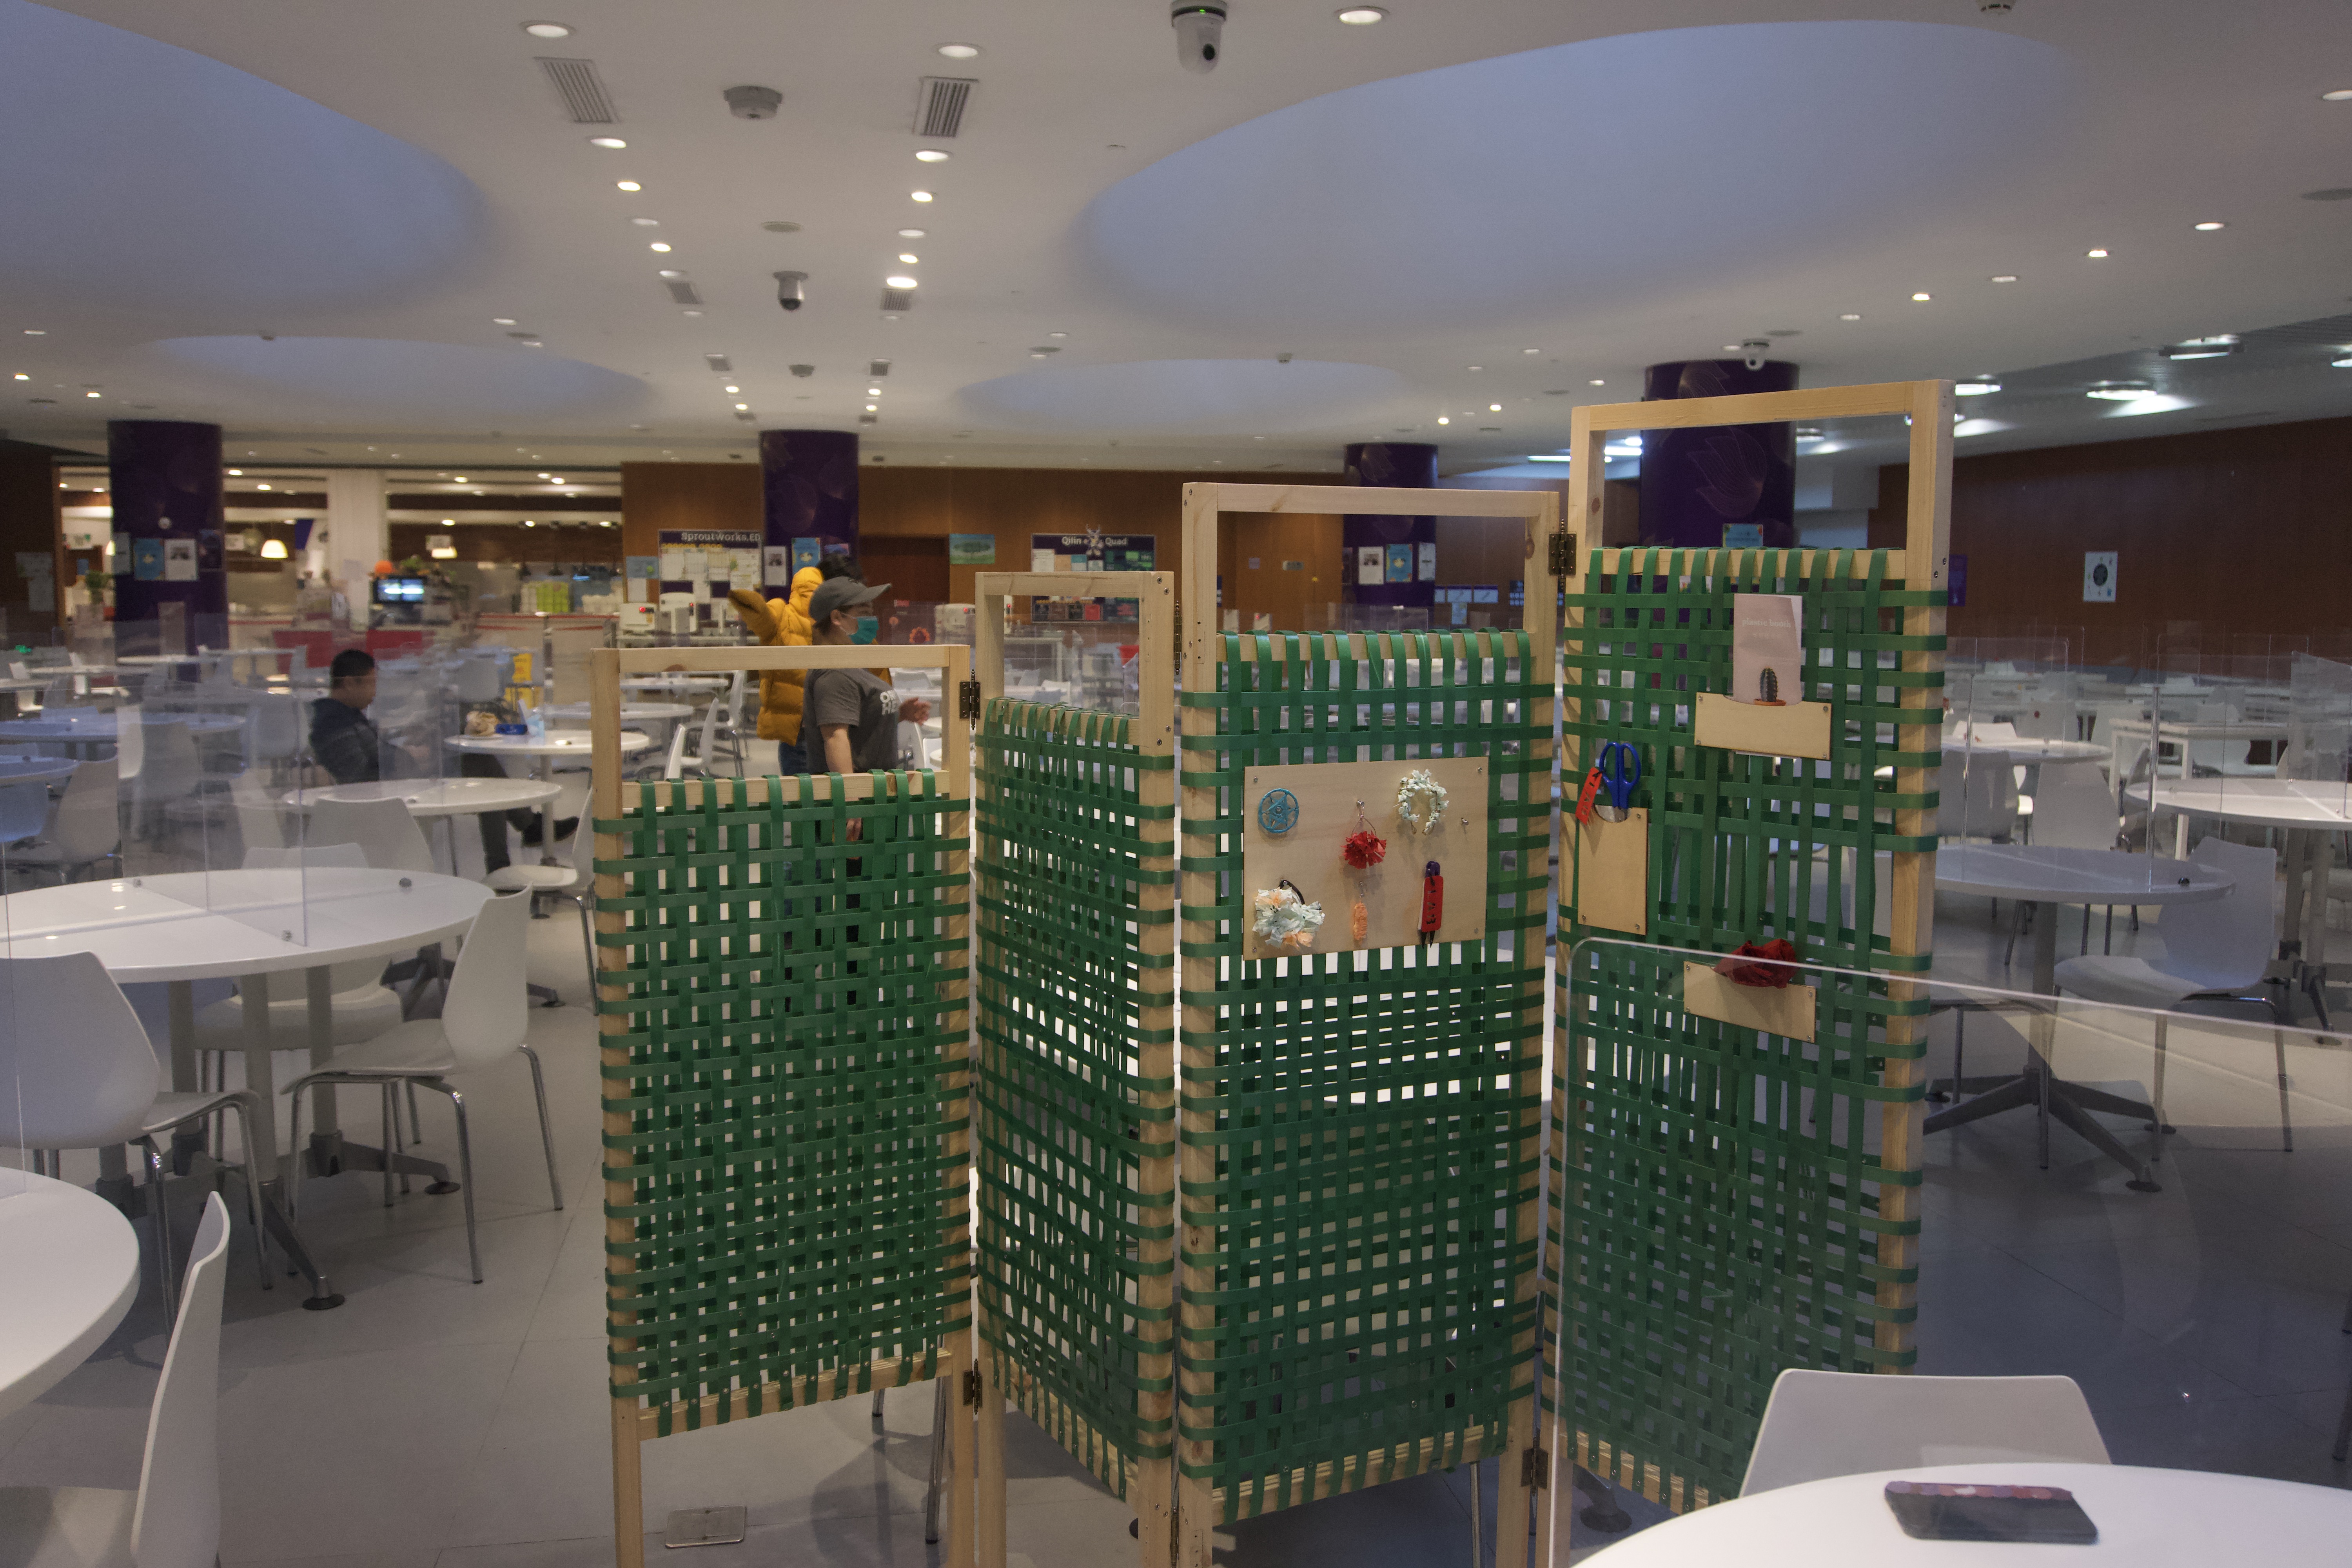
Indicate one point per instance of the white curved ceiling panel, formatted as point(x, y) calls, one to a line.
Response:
point(1226, 396)
point(435, 385)
point(165, 181)
point(1583, 177)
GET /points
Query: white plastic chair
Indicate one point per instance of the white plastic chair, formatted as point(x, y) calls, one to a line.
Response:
point(576, 881)
point(85, 830)
point(1822, 1424)
point(86, 1077)
point(483, 1021)
point(1976, 796)
point(2215, 951)
point(382, 828)
point(173, 1519)
point(703, 758)
point(24, 811)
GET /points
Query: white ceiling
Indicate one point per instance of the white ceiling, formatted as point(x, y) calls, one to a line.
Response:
point(1621, 181)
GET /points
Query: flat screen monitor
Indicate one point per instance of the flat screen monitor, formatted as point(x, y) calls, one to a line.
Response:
point(400, 590)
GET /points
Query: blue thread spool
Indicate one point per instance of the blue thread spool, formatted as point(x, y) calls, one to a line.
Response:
point(1277, 812)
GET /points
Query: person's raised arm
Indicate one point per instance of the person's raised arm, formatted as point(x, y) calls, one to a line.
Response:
point(837, 761)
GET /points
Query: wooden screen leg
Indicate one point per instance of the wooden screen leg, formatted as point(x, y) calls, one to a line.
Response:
point(628, 1489)
point(1151, 1489)
point(1196, 1522)
point(990, 1431)
point(1511, 1486)
point(964, 1472)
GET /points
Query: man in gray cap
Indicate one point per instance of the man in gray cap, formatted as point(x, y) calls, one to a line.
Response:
point(849, 716)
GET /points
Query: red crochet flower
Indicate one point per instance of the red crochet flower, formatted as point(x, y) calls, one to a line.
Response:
point(1364, 848)
point(1767, 974)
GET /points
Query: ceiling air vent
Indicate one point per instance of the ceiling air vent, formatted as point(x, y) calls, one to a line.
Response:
point(718, 362)
point(897, 300)
point(869, 420)
point(582, 91)
point(681, 291)
point(877, 367)
point(745, 416)
point(940, 110)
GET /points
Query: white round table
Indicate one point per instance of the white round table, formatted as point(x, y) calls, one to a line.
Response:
point(631, 712)
point(248, 926)
point(2308, 811)
point(35, 770)
point(2145, 1518)
point(673, 683)
point(2036, 749)
point(100, 728)
point(432, 797)
point(2046, 874)
point(545, 750)
point(72, 1274)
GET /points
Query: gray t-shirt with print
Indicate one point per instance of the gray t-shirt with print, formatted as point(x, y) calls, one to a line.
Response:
point(860, 699)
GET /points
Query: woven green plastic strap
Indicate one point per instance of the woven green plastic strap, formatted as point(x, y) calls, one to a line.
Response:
point(1715, 1233)
point(1061, 1079)
point(790, 1051)
point(1363, 1105)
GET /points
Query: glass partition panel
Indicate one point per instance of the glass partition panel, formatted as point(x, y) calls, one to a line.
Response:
point(1083, 664)
point(1856, 1172)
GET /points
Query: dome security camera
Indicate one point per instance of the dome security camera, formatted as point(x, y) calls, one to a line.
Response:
point(1200, 30)
point(788, 290)
point(1754, 351)
point(753, 102)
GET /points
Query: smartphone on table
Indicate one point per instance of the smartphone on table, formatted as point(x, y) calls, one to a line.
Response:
point(1979, 1510)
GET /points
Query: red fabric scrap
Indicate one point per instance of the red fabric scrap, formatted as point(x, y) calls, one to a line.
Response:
point(1766, 974)
point(1363, 850)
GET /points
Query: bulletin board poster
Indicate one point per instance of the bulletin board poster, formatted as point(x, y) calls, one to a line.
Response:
point(707, 562)
point(971, 550)
point(1090, 552)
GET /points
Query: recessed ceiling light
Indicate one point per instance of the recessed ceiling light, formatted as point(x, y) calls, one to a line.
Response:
point(872, 392)
point(919, 196)
point(646, 222)
point(1531, 350)
point(910, 259)
point(660, 245)
point(547, 29)
point(2209, 225)
point(693, 312)
point(90, 394)
point(912, 233)
point(36, 331)
point(1731, 348)
point(742, 405)
point(1921, 299)
point(730, 389)
point(239, 473)
point(960, 51)
point(459, 480)
point(931, 156)
point(1474, 367)
point(22, 376)
point(669, 272)
point(2343, 363)
point(1851, 316)
point(1363, 16)
point(2100, 255)
point(261, 487)
point(2004, 276)
point(1493, 408)
point(1057, 334)
point(613, 143)
point(2118, 391)
point(628, 185)
point(2338, 96)
point(1976, 388)
point(2218, 346)
point(899, 280)
point(873, 408)
point(502, 321)
point(1596, 381)
point(1442, 419)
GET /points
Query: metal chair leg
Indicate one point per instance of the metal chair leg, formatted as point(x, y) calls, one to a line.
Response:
point(391, 1105)
point(415, 1127)
point(2286, 1124)
point(939, 1409)
point(876, 1415)
point(2156, 1092)
point(547, 1142)
point(465, 1169)
point(1478, 1519)
point(397, 1145)
point(159, 1220)
point(298, 1159)
point(252, 1190)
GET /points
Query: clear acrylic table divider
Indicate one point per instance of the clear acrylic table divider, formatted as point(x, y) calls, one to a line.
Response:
point(2031, 1255)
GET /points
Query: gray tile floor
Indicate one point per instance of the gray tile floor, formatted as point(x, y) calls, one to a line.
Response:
point(436, 1422)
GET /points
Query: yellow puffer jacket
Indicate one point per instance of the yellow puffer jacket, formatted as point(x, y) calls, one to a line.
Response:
point(780, 623)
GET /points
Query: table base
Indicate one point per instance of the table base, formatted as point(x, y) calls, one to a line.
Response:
point(331, 1153)
point(2069, 1103)
point(187, 1146)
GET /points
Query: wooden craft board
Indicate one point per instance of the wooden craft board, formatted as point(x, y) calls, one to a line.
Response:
point(1790, 730)
point(1613, 871)
point(1787, 1010)
point(1308, 855)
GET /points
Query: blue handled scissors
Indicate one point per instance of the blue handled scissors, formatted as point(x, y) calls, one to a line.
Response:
point(1619, 767)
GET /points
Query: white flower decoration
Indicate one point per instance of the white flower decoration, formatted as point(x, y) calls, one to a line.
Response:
point(1283, 920)
point(1421, 800)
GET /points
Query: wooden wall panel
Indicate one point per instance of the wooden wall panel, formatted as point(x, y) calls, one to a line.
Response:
point(654, 496)
point(2243, 533)
point(1291, 600)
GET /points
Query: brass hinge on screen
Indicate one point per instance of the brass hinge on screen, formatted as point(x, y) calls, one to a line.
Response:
point(972, 1386)
point(1563, 554)
point(968, 700)
point(1535, 1469)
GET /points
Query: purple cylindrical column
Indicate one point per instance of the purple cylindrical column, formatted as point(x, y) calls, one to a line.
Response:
point(1696, 482)
point(809, 483)
point(164, 479)
point(1406, 465)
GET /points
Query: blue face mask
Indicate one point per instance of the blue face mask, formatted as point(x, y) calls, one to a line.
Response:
point(869, 628)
